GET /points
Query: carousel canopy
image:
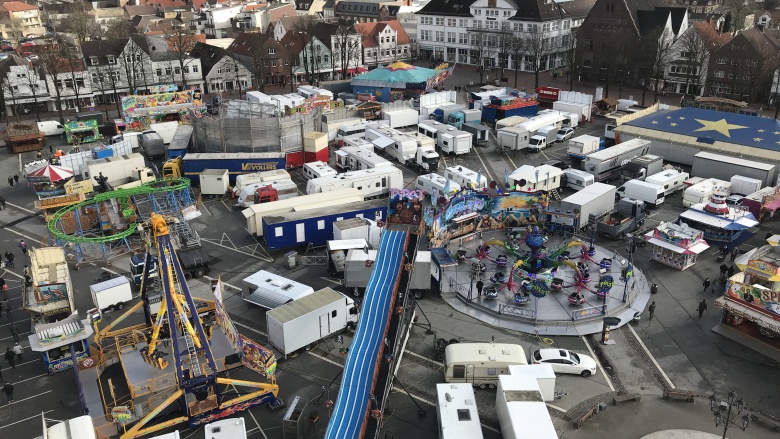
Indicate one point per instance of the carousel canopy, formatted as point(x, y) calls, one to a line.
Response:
point(395, 75)
point(49, 173)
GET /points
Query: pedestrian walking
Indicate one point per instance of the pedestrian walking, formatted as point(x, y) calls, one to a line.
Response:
point(11, 181)
point(15, 332)
point(26, 273)
point(9, 357)
point(480, 285)
point(39, 154)
point(706, 283)
point(731, 271)
point(702, 307)
point(734, 253)
point(23, 246)
point(8, 389)
point(2, 202)
point(651, 309)
point(16, 180)
point(18, 351)
point(51, 149)
point(9, 259)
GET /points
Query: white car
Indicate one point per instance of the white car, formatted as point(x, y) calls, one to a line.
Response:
point(565, 361)
point(564, 134)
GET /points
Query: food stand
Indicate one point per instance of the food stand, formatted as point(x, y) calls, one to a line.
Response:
point(82, 131)
point(61, 342)
point(22, 138)
point(140, 111)
point(676, 245)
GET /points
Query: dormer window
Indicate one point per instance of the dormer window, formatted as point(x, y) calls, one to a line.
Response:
point(111, 59)
point(93, 60)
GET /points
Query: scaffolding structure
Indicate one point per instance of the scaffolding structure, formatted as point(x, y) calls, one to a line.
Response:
point(243, 126)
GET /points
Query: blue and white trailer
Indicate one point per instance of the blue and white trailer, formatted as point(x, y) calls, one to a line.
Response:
point(194, 164)
point(316, 226)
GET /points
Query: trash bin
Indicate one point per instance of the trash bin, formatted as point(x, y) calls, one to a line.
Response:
point(291, 257)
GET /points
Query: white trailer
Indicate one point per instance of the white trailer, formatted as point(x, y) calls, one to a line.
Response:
point(280, 102)
point(81, 428)
point(214, 182)
point(356, 228)
point(571, 120)
point(316, 170)
point(269, 290)
point(432, 101)
point(308, 91)
point(480, 364)
point(539, 178)
point(434, 185)
point(671, 180)
point(597, 199)
point(513, 138)
point(400, 114)
point(454, 142)
point(118, 169)
point(357, 157)
point(358, 269)
point(259, 177)
point(608, 163)
point(230, 428)
point(372, 183)
point(651, 193)
point(302, 323)
point(522, 412)
point(581, 110)
point(745, 186)
point(465, 177)
point(431, 128)
point(111, 294)
point(457, 412)
point(580, 146)
point(702, 191)
point(542, 120)
point(332, 126)
point(510, 121)
point(285, 189)
point(420, 281)
point(707, 164)
point(166, 130)
point(577, 179)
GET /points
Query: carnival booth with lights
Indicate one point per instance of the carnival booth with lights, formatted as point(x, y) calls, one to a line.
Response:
point(62, 342)
point(720, 223)
point(399, 81)
point(676, 245)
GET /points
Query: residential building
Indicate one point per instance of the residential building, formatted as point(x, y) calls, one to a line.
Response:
point(73, 82)
point(23, 87)
point(221, 69)
point(18, 19)
point(743, 68)
point(329, 9)
point(686, 71)
point(344, 44)
point(219, 20)
point(310, 58)
point(260, 16)
point(366, 11)
point(384, 42)
point(483, 31)
point(139, 11)
point(309, 7)
point(283, 25)
point(267, 59)
point(768, 20)
point(108, 74)
point(617, 40)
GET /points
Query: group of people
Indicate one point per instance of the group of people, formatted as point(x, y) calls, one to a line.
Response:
point(13, 180)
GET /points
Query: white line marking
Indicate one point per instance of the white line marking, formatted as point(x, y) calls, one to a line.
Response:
point(423, 358)
point(652, 358)
point(28, 379)
point(25, 419)
point(25, 399)
point(256, 423)
point(325, 359)
point(555, 407)
point(250, 328)
point(21, 208)
point(601, 368)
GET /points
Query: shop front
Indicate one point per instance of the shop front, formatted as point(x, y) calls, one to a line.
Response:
point(676, 245)
point(62, 344)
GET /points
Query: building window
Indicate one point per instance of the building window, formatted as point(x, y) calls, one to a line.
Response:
point(610, 8)
point(194, 69)
point(111, 59)
point(159, 72)
point(168, 71)
point(721, 60)
point(451, 22)
point(463, 23)
point(177, 70)
point(439, 21)
point(451, 37)
point(555, 25)
point(273, 63)
point(463, 38)
point(719, 73)
point(425, 35)
point(685, 54)
point(93, 60)
point(271, 51)
point(440, 36)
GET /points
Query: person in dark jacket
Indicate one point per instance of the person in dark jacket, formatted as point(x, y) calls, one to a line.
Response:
point(702, 307)
point(706, 284)
point(480, 285)
point(8, 389)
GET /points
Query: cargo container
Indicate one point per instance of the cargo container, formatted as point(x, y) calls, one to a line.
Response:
point(478, 131)
point(309, 91)
point(214, 182)
point(302, 323)
point(372, 183)
point(398, 116)
point(279, 102)
point(640, 167)
point(598, 199)
point(454, 142)
point(608, 164)
point(670, 180)
point(315, 147)
point(269, 290)
point(254, 214)
point(180, 144)
point(111, 294)
point(580, 146)
point(744, 186)
point(118, 169)
point(513, 138)
point(357, 228)
point(707, 164)
point(237, 163)
point(315, 226)
point(581, 109)
point(651, 193)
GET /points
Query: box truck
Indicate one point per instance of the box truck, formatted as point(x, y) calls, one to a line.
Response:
point(628, 216)
point(598, 199)
point(454, 142)
point(707, 164)
point(302, 323)
point(543, 138)
point(400, 114)
point(152, 144)
point(512, 138)
point(651, 193)
point(671, 180)
point(458, 118)
point(580, 146)
point(608, 164)
point(744, 186)
point(111, 294)
point(640, 167)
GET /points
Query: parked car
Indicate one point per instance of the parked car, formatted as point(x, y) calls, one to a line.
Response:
point(564, 134)
point(734, 200)
point(6, 47)
point(565, 361)
point(557, 163)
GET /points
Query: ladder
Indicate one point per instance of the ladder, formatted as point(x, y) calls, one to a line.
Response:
point(556, 195)
point(192, 351)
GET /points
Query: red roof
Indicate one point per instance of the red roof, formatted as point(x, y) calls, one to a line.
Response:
point(257, 7)
point(711, 37)
point(18, 6)
point(369, 31)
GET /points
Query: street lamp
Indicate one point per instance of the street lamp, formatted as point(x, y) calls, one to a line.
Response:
point(722, 411)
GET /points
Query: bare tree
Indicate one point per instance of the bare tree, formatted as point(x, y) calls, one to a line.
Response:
point(310, 50)
point(536, 49)
point(136, 65)
point(504, 50)
point(75, 72)
point(735, 17)
point(181, 41)
point(118, 29)
point(15, 30)
point(568, 48)
point(657, 54)
point(80, 22)
point(9, 90)
point(516, 51)
point(55, 66)
point(108, 78)
point(484, 47)
point(260, 59)
point(344, 45)
point(697, 56)
point(31, 79)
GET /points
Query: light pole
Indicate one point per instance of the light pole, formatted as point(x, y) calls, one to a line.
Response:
point(722, 411)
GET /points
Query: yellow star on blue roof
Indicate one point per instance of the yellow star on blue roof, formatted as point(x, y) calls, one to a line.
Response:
point(720, 126)
point(682, 117)
point(757, 139)
point(761, 131)
point(655, 122)
point(673, 124)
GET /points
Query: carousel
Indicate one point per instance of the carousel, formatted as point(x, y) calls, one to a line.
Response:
point(46, 179)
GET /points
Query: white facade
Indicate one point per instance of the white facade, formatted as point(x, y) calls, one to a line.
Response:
point(227, 74)
point(352, 45)
point(677, 72)
point(387, 49)
point(23, 88)
point(218, 22)
point(454, 38)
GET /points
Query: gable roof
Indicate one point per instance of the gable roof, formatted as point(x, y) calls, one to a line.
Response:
point(710, 36)
point(209, 55)
point(454, 8)
point(542, 10)
point(295, 42)
point(133, 10)
point(369, 31)
point(18, 6)
point(323, 31)
point(102, 48)
point(760, 39)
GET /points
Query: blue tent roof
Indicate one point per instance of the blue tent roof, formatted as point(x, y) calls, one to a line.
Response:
point(710, 126)
point(395, 75)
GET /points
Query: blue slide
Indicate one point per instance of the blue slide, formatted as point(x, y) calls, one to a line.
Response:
point(350, 408)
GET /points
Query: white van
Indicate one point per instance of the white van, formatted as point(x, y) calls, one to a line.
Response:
point(433, 185)
point(465, 177)
point(577, 179)
point(652, 194)
point(480, 364)
point(51, 128)
point(317, 169)
point(131, 136)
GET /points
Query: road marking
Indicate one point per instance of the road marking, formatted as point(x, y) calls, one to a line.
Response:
point(21, 208)
point(11, 272)
point(433, 404)
point(601, 368)
point(256, 423)
point(25, 399)
point(652, 358)
point(484, 166)
point(325, 359)
point(555, 407)
point(28, 379)
point(250, 328)
point(20, 335)
point(424, 358)
point(25, 419)
point(223, 283)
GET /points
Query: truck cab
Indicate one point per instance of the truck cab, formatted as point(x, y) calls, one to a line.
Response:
point(628, 215)
point(172, 168)
point(427, 159)
point(543, 138)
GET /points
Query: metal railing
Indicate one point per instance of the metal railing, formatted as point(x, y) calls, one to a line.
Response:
point(587, 312)
point(517, 311)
